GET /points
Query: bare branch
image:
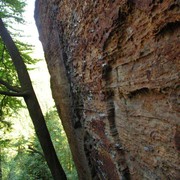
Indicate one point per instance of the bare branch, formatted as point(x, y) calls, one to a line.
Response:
point(15, 94)
point(31, 149)
point(8, 86)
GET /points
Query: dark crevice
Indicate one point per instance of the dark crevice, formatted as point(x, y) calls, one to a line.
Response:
point(174, 7)
point(89, 145)
point(177, 139)
point(168, 28)
point(138, 92)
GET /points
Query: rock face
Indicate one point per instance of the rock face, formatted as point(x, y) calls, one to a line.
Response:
point(114, 68)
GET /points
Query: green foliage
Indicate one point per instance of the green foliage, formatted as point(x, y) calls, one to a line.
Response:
point(61, 144)
point(22, 159)
point(26, 160)
point(12, 10)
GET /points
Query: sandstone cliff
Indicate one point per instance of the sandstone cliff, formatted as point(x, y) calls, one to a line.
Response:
point(114, 68)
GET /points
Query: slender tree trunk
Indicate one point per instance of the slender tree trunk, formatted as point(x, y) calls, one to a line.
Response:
point(33, 106)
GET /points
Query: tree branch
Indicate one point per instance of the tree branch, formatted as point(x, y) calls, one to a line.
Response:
point(8, 86)
point(31, 149)
point(15, 94)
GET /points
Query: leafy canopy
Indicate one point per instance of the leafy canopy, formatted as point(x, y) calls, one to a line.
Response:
point(11, 11)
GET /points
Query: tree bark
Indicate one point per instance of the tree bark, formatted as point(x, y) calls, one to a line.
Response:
point(33, 106)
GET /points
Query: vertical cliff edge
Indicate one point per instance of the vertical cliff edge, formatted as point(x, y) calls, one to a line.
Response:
point(114, 67)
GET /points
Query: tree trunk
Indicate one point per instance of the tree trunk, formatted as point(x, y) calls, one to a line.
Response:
point(114, 68)
point(33, 106)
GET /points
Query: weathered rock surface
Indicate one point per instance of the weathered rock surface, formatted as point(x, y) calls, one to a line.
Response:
point(114, 68)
